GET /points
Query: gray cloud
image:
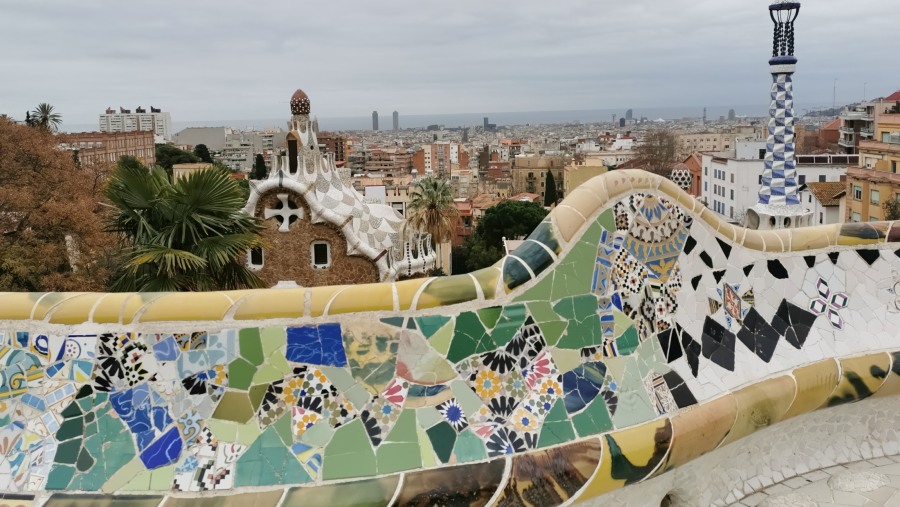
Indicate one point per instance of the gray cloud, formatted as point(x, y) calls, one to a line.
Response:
point(226, 59)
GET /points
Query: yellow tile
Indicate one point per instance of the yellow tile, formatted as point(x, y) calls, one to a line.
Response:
point(643, 446)
point(136, 303)
point(754, 240)
point(488, 278)
point(699, 429)
point(372, 297)
point(447, 290)
point(811, 238)
point(584, 201)
point(710, 218)
point(860, 377)
point(782, 243)
point(760, 405)
point(859, 234)
point(618, 184)
point(567, 220)
point(186, 306)
point(729, 231)
point(891, 386)
point(17, 305)
point(407, 290)
point(50, 300)
point(597, 185)
point(270, 304)
point(321, 296)
point(815, 383)
point(75, 310)
point(109, 309)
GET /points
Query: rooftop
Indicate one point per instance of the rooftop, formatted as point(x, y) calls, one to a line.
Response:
point(826, 191)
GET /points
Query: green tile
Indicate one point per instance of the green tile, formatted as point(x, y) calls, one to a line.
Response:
point(318, 435)
point(234, 406)
point(627, 342)
point(566, 359)
point(584, 322)
point(59, 478)
point(268, 462)
point(240, 373)
point(358, 395)
point(469, 338)
point(469, 447)
point(468, 401)
point(67, 452)
point(161, 478)
point(556, 428)
point(553, 330)
point(404, 430)
point(266, 375)
point(371, 349)
point(70, 428)
point(397, 457)
point(273, 338)
point(429, 460)
point(441, 338)
point(442, 436)
point(394, 321)
point(490, 315)
point(428, 416)
point(574, 274)
point(225, 431)
point(512, 319)
point(542, 311)
point(349, 454)
point(251, 345)
point(594, 419)
point(284, 426)
point(607, 220)
point(429, 324)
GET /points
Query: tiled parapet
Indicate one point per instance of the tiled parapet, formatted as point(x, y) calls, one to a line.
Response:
point(630, 334)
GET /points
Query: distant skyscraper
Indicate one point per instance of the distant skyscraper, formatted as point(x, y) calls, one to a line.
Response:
point(465, 135)
point(396, 120)
point(731, 115)
point(621, 122)
point(155, 121)
point(486, 124)
point(779, 204)
point(374, 120)
point(629, 115)
point(704, 116)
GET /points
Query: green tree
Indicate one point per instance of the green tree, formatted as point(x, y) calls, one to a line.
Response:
point(431, 209)
point(44, 116)
point(259, 168)
point(202, 152)
point(658, 151)
point(891, 208)
point(550, 195)
point(186, 235)
point(509, 219)
point(168, 155)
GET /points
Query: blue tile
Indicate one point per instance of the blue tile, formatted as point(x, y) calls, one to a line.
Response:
point(582, 385)
point(164, 451)
point(318, 345)
point(166, 350)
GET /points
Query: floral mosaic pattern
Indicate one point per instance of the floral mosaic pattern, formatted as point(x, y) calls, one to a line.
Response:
point(648, 311)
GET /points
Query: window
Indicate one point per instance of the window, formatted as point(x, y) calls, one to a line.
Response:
point(256, 258)
point(855, 217)
point(706, 171)
point(874, 219)
point(321, 254)
point(875, 197)
point(857, 192)
point(894, 166)
point(821, 178)
point(821, 218)
point(762, 154)
point(802, 179)
point(732, 177)
point(760, 179)
point(732, 194)
point(706, 186)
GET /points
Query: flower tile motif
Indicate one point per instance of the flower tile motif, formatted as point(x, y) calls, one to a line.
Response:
point(829, 303)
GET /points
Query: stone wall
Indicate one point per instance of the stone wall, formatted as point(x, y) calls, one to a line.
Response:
point(632, 334)
point(287, 255)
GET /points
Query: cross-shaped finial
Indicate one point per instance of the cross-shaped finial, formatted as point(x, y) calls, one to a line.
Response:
point(284, 213)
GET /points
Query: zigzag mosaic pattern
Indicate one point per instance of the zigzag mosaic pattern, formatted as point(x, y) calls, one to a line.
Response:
point(564, 373)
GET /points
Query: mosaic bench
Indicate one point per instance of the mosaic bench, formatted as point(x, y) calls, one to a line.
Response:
point(632, 332)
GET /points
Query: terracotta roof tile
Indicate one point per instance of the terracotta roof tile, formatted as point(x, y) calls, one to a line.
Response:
point(825, 191)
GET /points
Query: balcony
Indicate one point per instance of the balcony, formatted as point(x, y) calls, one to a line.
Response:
point(873, 175)
point(846, 143)
point(877, 146)
point(867, 133)
point(856, 115)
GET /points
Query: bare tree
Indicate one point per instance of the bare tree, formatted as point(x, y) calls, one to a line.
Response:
point(659, 151)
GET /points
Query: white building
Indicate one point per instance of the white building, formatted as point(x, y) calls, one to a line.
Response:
point(156, 121)
point(732, 179)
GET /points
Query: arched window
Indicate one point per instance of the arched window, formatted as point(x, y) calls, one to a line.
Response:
point(257, 259)
point(320, 252)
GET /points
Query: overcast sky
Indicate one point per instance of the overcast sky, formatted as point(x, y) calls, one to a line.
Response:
point(207, 60)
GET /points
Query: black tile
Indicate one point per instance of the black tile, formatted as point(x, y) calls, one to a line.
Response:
point(726, 248)
point(692, 351)
point(718, 344)
point(810, 260)
point(680, 391)
point(758, 335)
point(748, 268)
point(706, 259)
point(777, 269)
point(689, 244)
point(834, 257)
point(870, 256)
point(668, 340)
point(718, 275)
point(793, 323)
point(695, 282)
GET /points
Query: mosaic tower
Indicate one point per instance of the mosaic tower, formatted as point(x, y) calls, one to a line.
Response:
point(779, 202)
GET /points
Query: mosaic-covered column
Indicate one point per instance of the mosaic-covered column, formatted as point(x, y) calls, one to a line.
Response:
point(779, 181)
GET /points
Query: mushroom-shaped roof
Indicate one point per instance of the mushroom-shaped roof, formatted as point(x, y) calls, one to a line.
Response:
point(299, 102)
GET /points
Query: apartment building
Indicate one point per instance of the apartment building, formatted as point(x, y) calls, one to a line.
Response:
point(529, 173)
point(106, 147)
point(156, 121)
point(876, 178)
point(441, 157)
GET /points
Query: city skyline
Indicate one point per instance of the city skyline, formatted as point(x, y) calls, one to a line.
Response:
point(541, 58)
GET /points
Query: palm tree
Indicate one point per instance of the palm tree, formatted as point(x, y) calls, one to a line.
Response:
point(431, 209)
point(44, 116)
point(189, 235)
